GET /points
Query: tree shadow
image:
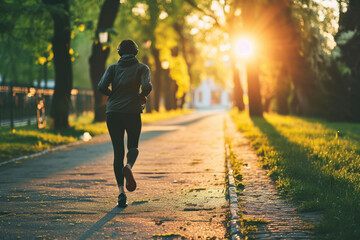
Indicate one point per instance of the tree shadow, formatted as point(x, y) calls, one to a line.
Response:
point(311, 182)
point(101, 223)
point(343, 129)
point(293, 158)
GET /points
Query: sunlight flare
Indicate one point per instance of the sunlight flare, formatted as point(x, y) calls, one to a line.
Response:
point(245, 48)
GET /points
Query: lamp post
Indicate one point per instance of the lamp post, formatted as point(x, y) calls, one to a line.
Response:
point(103, 37)
point(165, 65)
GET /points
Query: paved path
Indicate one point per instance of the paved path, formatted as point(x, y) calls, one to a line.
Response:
point(261, 200)
point(72, 194)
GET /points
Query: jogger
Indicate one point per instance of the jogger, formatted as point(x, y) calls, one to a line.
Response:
point(121, 82)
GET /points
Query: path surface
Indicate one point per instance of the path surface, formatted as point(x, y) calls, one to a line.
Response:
point(261, 200)
point(72, 194)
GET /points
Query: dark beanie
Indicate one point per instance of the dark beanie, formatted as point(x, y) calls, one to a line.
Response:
point(128, 47)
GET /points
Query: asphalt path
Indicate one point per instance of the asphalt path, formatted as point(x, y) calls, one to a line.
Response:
point(72, 193)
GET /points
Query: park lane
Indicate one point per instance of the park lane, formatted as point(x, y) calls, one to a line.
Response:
point(72, 194)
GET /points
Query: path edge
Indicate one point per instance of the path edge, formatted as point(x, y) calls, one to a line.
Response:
point(235, 230)
point(61, 147)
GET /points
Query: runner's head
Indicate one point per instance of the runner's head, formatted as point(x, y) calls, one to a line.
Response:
point(128, 47)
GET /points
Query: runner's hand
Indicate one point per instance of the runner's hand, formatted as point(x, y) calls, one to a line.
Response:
point(143, 100)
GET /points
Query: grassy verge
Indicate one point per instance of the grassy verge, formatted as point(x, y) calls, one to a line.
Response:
point(314, 162)
point(27, 140)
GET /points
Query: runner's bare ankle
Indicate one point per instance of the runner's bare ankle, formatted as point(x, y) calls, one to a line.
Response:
point(121, 189)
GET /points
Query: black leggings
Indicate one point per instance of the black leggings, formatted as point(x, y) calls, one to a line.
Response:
point(117, 124)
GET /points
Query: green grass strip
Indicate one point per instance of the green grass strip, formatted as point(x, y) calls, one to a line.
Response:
point(314, 162)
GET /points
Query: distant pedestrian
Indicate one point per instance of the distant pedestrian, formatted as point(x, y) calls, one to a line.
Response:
point(121, 82)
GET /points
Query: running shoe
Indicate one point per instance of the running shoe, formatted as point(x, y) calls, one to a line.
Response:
point(130, 180)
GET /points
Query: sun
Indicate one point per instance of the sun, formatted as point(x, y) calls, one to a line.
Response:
point(244, 48)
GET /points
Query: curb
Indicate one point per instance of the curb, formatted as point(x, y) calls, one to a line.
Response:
point(42, 152)
point(233, 200)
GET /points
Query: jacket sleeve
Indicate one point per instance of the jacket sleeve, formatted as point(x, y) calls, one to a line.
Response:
point(146, 85)
point(105, 81)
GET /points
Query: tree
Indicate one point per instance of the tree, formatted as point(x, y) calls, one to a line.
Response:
point(62, 61)
point(348, 39)
point(99, 54)
point(252, 26)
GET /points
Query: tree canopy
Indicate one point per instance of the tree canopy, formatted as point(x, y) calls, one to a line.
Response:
point(301, 54)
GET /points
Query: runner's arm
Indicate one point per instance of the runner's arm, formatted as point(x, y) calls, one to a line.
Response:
point(146, 85)
point(105, 81)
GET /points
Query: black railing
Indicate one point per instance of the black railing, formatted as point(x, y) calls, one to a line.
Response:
point(19, 104)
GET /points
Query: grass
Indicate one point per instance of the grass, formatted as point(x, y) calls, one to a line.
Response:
point(28, 139)
point(314, 162)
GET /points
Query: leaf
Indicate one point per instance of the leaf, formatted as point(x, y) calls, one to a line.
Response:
point(89, 25)
point(57, 9)
point(112, 31)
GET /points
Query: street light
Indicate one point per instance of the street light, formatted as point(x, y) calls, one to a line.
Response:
point(165, 65)
point(146, 44)
point(103, 37)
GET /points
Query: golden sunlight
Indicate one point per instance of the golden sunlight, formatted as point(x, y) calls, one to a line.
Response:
point(245, 48)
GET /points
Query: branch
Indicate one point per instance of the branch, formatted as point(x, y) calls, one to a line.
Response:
point(207, 13)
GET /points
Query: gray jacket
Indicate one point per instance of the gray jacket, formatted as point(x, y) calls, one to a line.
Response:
point(125, 78)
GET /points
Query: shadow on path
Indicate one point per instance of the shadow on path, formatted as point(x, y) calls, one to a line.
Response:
point(101, 223)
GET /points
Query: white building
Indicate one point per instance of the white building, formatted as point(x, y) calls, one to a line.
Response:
point(209, 95)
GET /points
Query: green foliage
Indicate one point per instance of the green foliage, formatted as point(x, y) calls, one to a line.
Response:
point(26, 33)
point(313, 161)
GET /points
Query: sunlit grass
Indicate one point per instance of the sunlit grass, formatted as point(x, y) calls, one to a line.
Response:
point(315, 162)
point(163, 115)
point(27, 140)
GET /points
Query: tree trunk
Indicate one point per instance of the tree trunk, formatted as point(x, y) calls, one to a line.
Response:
point(62, 62)
point(282, 92)
point(39, 76)
point(148, 106)
point(251, 25)
point(99, 55)
point(255, 105)
point(182, 101)
point(238, 94)
point(173, 90)
point(267, 103)
point(157, 80)
point(31, 72)
point(168, 93)
point(46, 74)
point(350, 55)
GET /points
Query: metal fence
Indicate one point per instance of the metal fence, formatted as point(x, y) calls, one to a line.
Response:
point(19, 104)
